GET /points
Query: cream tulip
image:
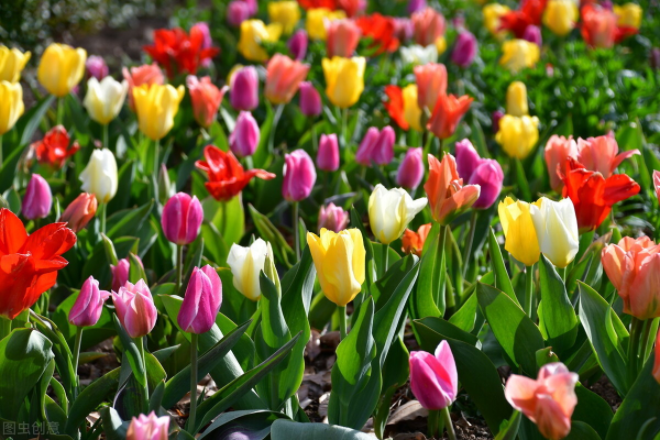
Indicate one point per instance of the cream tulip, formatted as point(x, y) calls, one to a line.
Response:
point(246, 264)
point(557, 230)
point(100, 175)
point(390, 212)
point(104, 99)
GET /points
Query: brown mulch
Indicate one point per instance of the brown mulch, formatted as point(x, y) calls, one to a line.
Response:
point(606, 390)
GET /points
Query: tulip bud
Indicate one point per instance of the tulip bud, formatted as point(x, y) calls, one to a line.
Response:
point(121, 272)
point(11, 97)
point(447, 113)
point(377, 147)
point(447, 196)
point(38, 198)
point(433, 377)
point(489, 177)
point(100, 175)
point(518, 135)
point(96, 67)
point(519, 54)
point(254, 33)
point(148, 427)
point(104, 99)
point(419, 55)
point(244, 89)
point(135, 308)
point(496, 117)
point(404, 29)
point(342, 39)
point(431, 83)
point(297, 44)
point(283, 77)
point(413, 242)
point(429, 26)
point(182, 217)
point(411, 170)
point(465, 49)
point(237, 12)
point(61, 68)
point(206, 99)
point(202, 301)
point(327, 158)
point(164, 185)
point(286, 13)
point(137, 76)
point(533, 35)
point(516, 99)
point(519, 231)
point(299, 176)
point(246, 264)
point(557, 151)
point(244, 140)
point(390, 212)
point(310, 100)
point(560, 16)
point(271, 272)
point(79, 212)
point(557, 230)
point(467, 159)
point(88, 306)
point(333, 218)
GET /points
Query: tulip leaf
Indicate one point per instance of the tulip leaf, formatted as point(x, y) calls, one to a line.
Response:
point(466, 317)
point(98, 263)
point(268, 232)
point(125, 180)
point(581, 430)
point(228, 217)
point(285, 429)
point(395, 374)
point(509, 428)
point(519, 336)
point(592, 409)
point(8, 170)
point(29, 123)
point(136, 271)
point(89, 399)
point(255, 424)
point(113, 426)
point(132, 352)
point(502, 280)
point(128, 222)
point(429, 297)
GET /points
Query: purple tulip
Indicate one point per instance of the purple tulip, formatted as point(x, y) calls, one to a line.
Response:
point(411, 170)
point(299, 176)
point(38, 198)
point(96, 67)
point(181, 219)
point(490, 177)
point(327, 158)
point(202, 301)
point(244, 140)
point(533, 35)
point(496, 117)
point(88, 306)
point(297, 44)
point(415, 6)
point(654, 58)
point(467, 159)
point(465, 49)
point(121, 271)
point(244, 89)
point(376, 146)
point(237, 12)
point(433, 377)
point(310, 100)
point(135, 308)
point(333, 218)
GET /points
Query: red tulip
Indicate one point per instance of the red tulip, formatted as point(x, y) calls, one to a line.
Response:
point(600, 28)
point(352, 7)
point(381, 30)
point(447, 114)
point(180, 52)
point(315, 4)
point(54, 148)
point(394, 105)
point(529, 14)
point(448, 197)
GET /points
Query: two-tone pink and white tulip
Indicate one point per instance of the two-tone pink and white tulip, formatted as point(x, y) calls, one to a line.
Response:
point(182, 218)
point(135, 308)
point(88, 306)
point(202, 301)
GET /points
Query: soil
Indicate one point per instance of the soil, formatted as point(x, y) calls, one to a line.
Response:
point(606, 390)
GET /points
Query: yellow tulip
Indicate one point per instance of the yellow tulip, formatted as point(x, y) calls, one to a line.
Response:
point(492, 14)
point(390, 212)
point(104, 98)
point(441, 44)
point(156, 106)
point(518, 135)
point(339, 259)
point(629, 15)
point(316, 19)
point(11, 105)
point(519, 54)
point(255, 32)
point(560, 16)
point(286, 13)
point(516, 99)
point(411, 111)
point(12, 62)
point(344, 79)
point(61, 68)
point(519, 231)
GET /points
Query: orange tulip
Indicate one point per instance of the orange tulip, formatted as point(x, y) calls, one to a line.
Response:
point(600, 154)
point(431, 83)
point(600, 27)
point(447, 195)
point(428, 26)
point(447, 114)
point(557, 151)
point(283, 78)
point(413, 242)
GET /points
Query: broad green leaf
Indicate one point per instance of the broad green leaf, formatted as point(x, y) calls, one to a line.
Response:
point(254, 424)
point(127, 222)
point(509, 429)
point(581, 430)
point(429, 297)
point(268, 232)
point(89, 399)
point(593, 410)
point(502, 280)
point(285, 429)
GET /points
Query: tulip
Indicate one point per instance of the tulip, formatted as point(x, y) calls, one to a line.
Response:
point(297, 44)
point(344, 79)
point(419, 55)
point(327, 158)
point(286, 13)
point(656, 183)
point(547, 401)
point(310, 100)
point(38, 198)
point(100, 175)
point(529, 13)
point(88, 306)
point(465, 49)
point(411, 111)
point(244, 89)
point(207, 41)
point(339, 259)
point(377, 147)
point(79, 212)
point(238, 11)
point(246, 264)
point(404, 29)
point(12, 62)
point(390, 212)
point(467, 159)
point(556, 227)
point(181, 52)
point(380, 30)
point(61, 68)
point(415, 6)
point(96, 67)
point(433, 377)
point(104, 99)
point(182, 218)
point(413, 242)
point(202, 301)
point(600, 154)
point(557, 151)
point(148, 427)
point(496, 117)
point(156, 107)
point(299, 176)
point(317, 19)
point(54, 149)
point(520, 236)
point(283, 78)
point(633, 266)
point(342, 38)
point(486, 173)
point(253, 34)
point(11, 97)
point(447, 114)
point(411, 170)
point(599, 27)
point(147, 74)
point(493, 13)
point(516, 99)
point(121, 271)
point(352, 7)
point(560, 16)
point(333, 218)
point(431, 84)
point(628, 15)
point(446, 193)
point(206, 99)
point(429, 26)
point(519, 54)
point(518, 135)
point(244, 140)
point(533, 35)
point(135, 308)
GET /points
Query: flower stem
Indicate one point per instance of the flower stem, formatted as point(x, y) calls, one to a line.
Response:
point(529, 291)
point(633, 345)
point(344, 126)
point(179, 266)
point(102, 210)
point(106, 143)
point(644, 340)
point(276, 120)
point(76, 357)
point(5, 327)
point(296, 227)
point(156, 158)
point(342, 322)
point(433, 423)
point(60, 110)
point(448, 424)
point(386, 257)
point(315, 142)
point(193, 382)
point(470, 240)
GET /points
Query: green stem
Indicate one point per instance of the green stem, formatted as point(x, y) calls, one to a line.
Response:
point(60, 110)
point(5, 327)
point(315, 142)
point(448, 424)
point(102, 210)
point(179, 266)
point(276, 120)
point(342, 322)
point(344, 126)
point(441, 149)
point(76, 356)
point(139, 342)
point(156, 158)
point(106, 144)
point(468, 249)
point(1, 155)
point(432, 423)
point(193, 382)
point(633, 345)
point(296, 227)
point(386, 258)
point(644, 340)
point(529, 291)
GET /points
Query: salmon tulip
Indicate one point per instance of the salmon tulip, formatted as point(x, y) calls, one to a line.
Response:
point(431, 83)
point(601, 154)
point(557, 151)
point(342, 39)
point(283, 78)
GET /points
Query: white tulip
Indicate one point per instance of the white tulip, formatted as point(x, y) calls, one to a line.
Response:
point(104, 99)
point(390, 212)
point(246, 264)
point(557, 230)
point(417, 54)
point(100, 175)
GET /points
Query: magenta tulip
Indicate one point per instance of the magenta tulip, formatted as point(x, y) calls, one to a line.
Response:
point(376, 146)
point(237, 12)
point(533, 35)
point(297, 44)
point(88, 306)
point(96, 67)
point(182, 217)
point(299, 176)
point(244, 140)
point(244, 89)
point(327, 158)
point(135, 308)
point(333, 218)
point(363, 155)
point(202, 301)
point(433, 378)
point(465, 49)
point(486, 173)
point(38, 198)
point(120, 272)
point(411, 170)
point(467, 159)
point(148, 427)
point(496, 117)
point(415, 6)
point(310, 100)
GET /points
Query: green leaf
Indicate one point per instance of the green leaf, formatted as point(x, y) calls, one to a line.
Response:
point(227, 217)
point(509, 429)
point(582, 430)
point(33, 118)
point(132, 352)
point(284, 429)
point(128, 222)
point(255, 424)
point(429, 297)
point(465, 317)
point(593, 410)
point(136, 271)
point(268, 232)
point(113, 426)
point(89, 399)
point(502, 280)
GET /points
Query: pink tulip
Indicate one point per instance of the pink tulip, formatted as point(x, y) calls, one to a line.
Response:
point(431, 81)
point(96, 67)
point(88, 306)
point(244, 140)
point(237, 12)
point(411, 170)
point(244, 89)
point(557, 151)
point(148, 427)
point(202, 301)
point(342, 39)
point(656, 183)
point(310, 100)
point(416, 5)
point(299, 176)
point(327, 158)
point(547, 401)
point(486, 173)
point(533, 35)
point(376, 146)
point(433, 378)
point(465, 49)
point(181, 219)
point(333, 218)
point(467, 159)
point(600, 154)
point(297, 44)
point(283, 78)
point(429, 25)
point(79, 212)
point(38, 198)
point(137, 76)
point(403, 28)
point(121, 271)
point(135, 308)
point(496, 117)
point(206, 99)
